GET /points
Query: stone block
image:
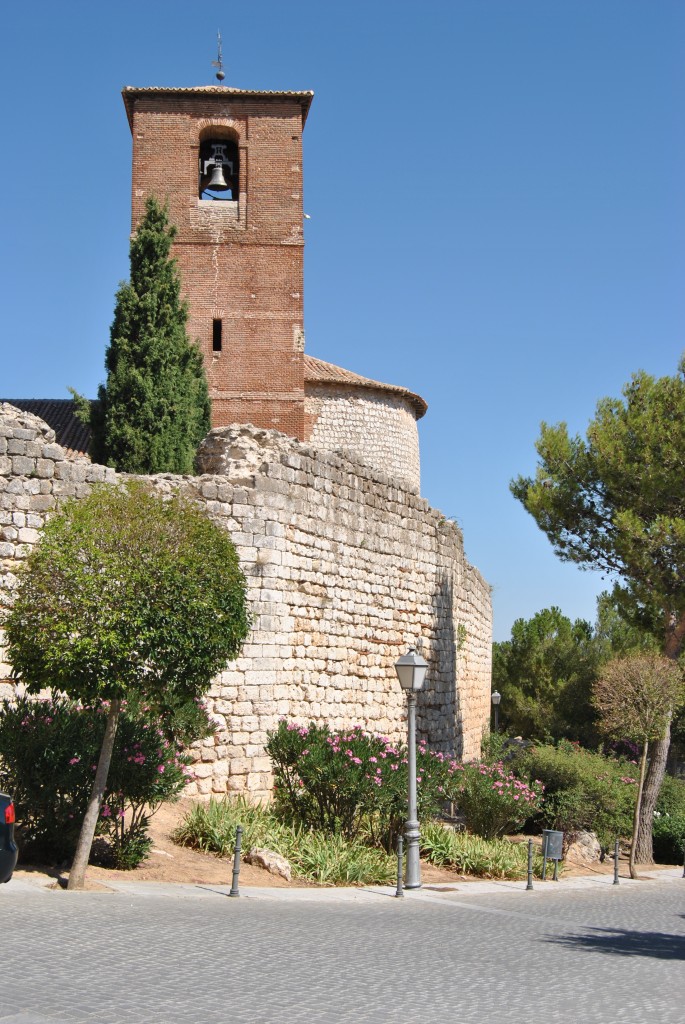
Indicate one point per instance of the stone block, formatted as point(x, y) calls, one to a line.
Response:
point(55, 452)
point(41, 502)
point(29, 536)
point(22, 465)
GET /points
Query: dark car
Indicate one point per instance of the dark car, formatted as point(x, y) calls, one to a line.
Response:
point(8, 848)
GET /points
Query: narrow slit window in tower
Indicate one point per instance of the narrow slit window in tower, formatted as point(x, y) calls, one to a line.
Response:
point(216, 335)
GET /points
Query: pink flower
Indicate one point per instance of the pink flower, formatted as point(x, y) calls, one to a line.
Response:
point(75, 760)
point(374, 759)
point(160, 768)
point(106, 812)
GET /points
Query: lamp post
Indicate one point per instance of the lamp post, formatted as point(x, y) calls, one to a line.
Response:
point(496, 698)
point(411, 672)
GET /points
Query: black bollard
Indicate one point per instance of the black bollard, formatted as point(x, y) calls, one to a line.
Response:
point(236, 862)
point(616, 862)
point(529, 883)
point(400, 889)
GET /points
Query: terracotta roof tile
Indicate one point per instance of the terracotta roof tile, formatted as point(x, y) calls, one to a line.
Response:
point(316, 371)
point(129, 92)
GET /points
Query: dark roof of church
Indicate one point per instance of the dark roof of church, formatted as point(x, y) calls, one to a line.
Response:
point(316, 371)
point(60, 415)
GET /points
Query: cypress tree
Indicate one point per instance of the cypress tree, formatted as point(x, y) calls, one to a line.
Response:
point(153, 410)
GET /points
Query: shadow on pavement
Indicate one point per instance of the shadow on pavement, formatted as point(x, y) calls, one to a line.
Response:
point(621, 942)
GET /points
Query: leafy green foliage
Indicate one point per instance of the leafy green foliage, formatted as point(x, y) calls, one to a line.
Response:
point(669, 838)
point(583, 790)
point(128, 596)
point(48, 752)
point(545, 674)
point(352, 782)
point(323, 857)
point(153, 410)
point(671, 796)
point(473, 855)
point(492, 799)
point(615, 501)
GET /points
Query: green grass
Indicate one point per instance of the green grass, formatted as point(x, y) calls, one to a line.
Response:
point(471, 855)
point(334, 860)
point(314, 856)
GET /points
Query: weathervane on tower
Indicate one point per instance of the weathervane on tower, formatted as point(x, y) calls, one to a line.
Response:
point(219, 62)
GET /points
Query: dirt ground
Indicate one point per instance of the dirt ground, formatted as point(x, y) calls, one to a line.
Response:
point(171, 863)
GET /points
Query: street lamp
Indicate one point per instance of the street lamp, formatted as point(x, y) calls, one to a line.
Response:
point(411, 672)
point(496, 698)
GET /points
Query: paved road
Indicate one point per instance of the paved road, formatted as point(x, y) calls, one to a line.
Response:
point(598, 956)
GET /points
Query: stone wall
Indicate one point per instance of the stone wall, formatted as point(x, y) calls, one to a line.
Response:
point(344, 570)
point(378, 429)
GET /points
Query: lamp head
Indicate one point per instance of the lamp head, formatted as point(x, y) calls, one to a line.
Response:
point(411, 670)
point(495, 697)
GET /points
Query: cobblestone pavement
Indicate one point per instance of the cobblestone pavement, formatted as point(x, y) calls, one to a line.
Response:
point(184, 955)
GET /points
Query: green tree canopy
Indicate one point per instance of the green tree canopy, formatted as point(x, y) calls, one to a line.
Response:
point(545, 674)
point(615, 501)
point(128, 596)
point(153, 410)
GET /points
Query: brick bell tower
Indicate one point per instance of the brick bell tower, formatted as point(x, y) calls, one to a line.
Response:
point(229, 164)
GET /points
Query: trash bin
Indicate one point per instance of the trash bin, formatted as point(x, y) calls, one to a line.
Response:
point(8, 848)
point(552, 844)
point(552, 849)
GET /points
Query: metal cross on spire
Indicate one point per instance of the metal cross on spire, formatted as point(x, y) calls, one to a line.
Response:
point(219, 62)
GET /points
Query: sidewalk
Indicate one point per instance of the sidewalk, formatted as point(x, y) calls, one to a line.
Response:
point(427, 893)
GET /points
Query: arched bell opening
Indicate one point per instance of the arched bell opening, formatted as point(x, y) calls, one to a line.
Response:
point(219, 169)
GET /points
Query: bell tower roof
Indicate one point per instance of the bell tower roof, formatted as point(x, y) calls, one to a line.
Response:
point(130, 93)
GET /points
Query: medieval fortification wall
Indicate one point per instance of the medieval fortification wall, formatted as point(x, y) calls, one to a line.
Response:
point(344, 568)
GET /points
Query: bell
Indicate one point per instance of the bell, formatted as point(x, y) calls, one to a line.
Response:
point(217, 182)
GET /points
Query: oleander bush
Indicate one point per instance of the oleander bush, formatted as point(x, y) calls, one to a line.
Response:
point(48, 756)
point(493, 800)
point(352, 783)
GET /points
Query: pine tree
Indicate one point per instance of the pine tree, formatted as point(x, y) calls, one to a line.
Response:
point(153, 411)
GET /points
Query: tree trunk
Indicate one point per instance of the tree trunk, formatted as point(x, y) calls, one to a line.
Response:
point(638, 804)
point(644, 853)
point(77, 875)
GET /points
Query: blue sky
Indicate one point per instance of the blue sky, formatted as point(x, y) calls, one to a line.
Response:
point(497, 200)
